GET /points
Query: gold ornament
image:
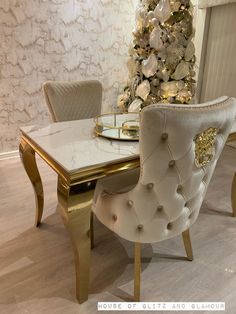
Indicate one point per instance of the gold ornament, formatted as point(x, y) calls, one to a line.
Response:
point(175, 5)
point(184, 96)
point(182, 70)
point(190, 51)
point(143, 90)
point(135, 106)
point(155, 39)
point(149, 66)
point(204, 147)
point(162, 11)
point(169, 89)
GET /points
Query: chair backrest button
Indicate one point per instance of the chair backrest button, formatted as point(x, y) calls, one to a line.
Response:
point(172, 163)
point(179, 189)
point(114, 217)
point(169, 226)
point(150, 186)
point(160, 208)
point(164, 136)
point(140, 227)
point(130, 203)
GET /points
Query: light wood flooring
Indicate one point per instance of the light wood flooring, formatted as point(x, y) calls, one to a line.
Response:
point(36, 265)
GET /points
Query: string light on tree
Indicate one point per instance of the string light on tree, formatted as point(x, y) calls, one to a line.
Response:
point(162, 57)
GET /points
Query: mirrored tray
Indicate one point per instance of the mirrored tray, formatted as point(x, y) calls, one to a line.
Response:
point(118, 126)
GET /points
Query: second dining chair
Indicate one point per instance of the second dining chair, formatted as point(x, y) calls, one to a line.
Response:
point(179, 149)
point(68, 101)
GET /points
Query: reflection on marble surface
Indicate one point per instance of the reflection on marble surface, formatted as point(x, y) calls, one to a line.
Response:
point(116, 120)
point(74, 145)
point(122, 126)
point(58, 40)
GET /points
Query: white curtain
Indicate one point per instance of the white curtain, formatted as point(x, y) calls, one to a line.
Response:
point(211, 3)
point(219, 73)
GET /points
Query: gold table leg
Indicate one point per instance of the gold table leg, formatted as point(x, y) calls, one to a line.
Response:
point(75, 208)
point(188, 245)
point(233, 195)
point(28, 159)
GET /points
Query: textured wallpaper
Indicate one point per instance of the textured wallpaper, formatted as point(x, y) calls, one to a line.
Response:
point(58, 40)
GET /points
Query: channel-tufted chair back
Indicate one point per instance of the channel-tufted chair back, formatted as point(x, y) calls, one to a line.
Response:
point(179, 148)
point(73, 100)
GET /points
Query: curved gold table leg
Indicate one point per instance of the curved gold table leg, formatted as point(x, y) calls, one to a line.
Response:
point(75, 209)
point(233, 195)
point(28, 159)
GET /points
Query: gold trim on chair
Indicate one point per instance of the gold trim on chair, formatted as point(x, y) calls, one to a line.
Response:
point(204, 147)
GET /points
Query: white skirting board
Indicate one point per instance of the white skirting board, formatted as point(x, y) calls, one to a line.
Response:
point(9, 155)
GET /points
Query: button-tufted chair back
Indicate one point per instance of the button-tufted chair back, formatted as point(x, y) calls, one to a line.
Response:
point(179, 149)
point(73, 100)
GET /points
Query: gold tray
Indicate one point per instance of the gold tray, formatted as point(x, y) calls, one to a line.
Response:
point(118, 126)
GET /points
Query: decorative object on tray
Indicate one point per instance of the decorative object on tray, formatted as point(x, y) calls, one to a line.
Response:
point(118, 126)
point(161, 67)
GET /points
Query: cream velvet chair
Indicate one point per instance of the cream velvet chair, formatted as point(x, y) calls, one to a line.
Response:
point(73, 100)
point(179, 148)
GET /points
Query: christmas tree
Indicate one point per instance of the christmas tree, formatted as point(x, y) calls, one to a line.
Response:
point(162, 58)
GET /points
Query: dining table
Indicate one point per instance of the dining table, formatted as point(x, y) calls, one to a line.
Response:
point(80, 158)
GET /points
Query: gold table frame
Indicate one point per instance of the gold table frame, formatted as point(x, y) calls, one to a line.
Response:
point(75, 193)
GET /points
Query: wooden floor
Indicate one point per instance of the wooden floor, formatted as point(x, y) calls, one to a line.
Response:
point(36, 265)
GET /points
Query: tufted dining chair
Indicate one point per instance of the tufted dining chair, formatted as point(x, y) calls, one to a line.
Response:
point(179, 149)
point(68, 101)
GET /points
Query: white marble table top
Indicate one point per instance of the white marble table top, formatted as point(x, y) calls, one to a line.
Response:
point(74, 146)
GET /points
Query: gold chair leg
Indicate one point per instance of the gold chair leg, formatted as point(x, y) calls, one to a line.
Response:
point(92, 230)
point(188, 245)
point(137, 271)
point(232, 138)
point(233, 195)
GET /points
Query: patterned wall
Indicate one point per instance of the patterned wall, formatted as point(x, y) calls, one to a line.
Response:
point(58, 40)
